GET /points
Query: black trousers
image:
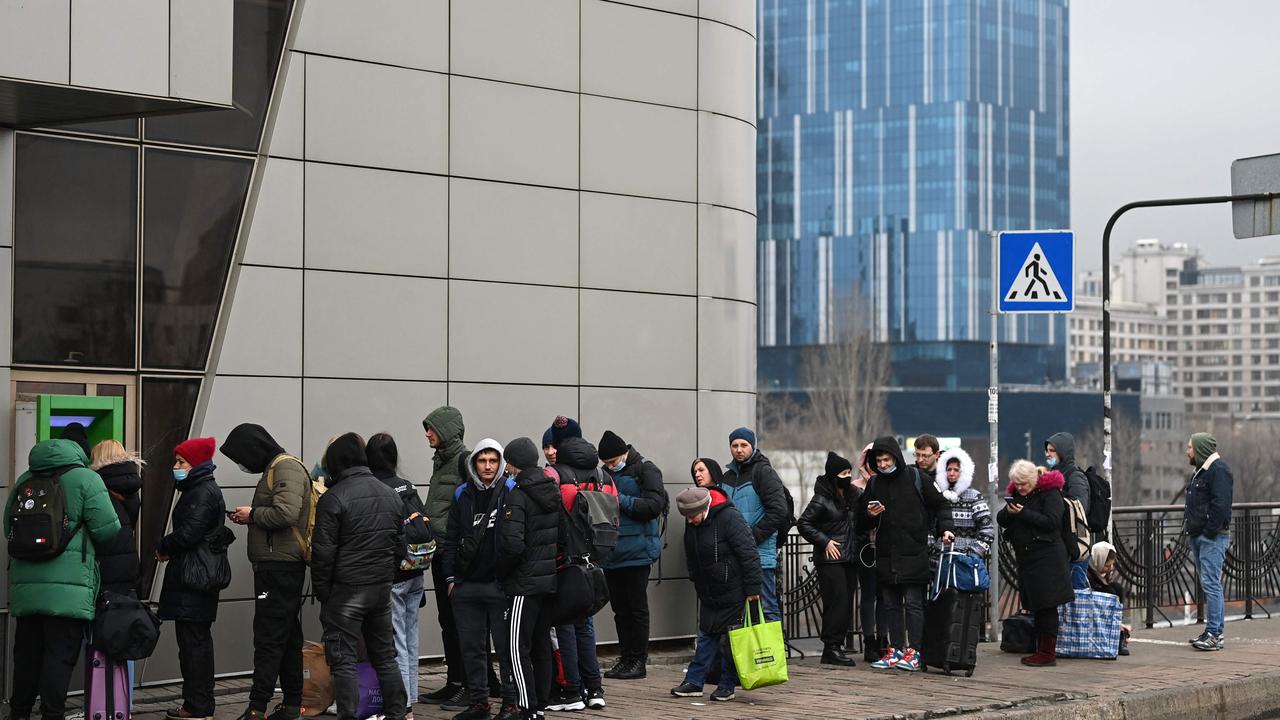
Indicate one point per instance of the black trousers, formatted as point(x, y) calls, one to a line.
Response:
point(352, 613)
point(1046, 620)
point(837, 583)
point(195, 658)
point(45, 650)
point(480, 609)
point(457, 674)
point(277, 632)
point(897, 601)
point(629, 596)
point(531, 660)
point(869, 603)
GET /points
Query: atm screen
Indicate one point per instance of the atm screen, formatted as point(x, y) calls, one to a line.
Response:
point(61, 421)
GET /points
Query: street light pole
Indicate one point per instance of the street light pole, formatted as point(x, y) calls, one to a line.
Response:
point(1106, 301)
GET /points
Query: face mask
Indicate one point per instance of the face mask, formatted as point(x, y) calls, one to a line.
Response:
point(179, 474)
point(1051, 462)
point(887, 471)
point(619, 466)
point(245, 470)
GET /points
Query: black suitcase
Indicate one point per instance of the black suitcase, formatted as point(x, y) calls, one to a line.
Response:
point(952, 627)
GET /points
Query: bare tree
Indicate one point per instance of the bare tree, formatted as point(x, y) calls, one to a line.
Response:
point(1127, 470)
point(1249, 448)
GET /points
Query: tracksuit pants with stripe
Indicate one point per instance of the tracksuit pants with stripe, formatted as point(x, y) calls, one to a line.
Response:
point(531, 658)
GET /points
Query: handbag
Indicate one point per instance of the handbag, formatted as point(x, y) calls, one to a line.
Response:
point(124, 627)
point(207, 569)
point(759, 650)
point(317, 682)
point(1018, 634)
point(368, 691)
point(581, 592)
point(962, 571)
point(420, 544)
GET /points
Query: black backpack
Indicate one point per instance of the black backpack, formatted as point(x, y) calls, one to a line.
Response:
point(124, 627)
point(785, 531)
point(39, 527)
point(594, 518)
point(1099, 500)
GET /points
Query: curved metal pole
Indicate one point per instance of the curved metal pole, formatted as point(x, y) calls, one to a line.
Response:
point(1106, 301)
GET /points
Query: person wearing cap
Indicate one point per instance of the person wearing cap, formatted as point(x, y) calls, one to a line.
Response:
point(357, 547)
point(642, 505)
point(531, 536)
point(724, 566)
point(198, 512)
point(828, 524)
point(756, 490)
point(1208, 521)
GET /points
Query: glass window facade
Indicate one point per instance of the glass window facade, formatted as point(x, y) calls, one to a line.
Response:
point(894, 137)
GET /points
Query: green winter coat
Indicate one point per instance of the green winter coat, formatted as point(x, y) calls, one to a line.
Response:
point(67, 585)
point(446, 465)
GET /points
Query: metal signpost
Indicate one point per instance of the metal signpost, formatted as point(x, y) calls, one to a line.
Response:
point(1026, 268)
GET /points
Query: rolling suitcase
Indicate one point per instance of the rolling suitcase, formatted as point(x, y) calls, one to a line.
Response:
point(952, 627)
point(106, 687)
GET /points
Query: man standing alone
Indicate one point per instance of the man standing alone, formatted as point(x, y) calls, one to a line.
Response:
point(1208, 517)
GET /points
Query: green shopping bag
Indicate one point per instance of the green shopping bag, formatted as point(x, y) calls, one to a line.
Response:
point(759, 650)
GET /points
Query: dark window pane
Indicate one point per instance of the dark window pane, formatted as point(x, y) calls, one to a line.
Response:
point(259, 35)
point(115, 128)
point(111, 390)
point(189, 230)
point(28, 390)
point(167, 408)
point(75, 252)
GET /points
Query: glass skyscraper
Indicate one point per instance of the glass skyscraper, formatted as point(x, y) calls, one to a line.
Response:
point(894, 136)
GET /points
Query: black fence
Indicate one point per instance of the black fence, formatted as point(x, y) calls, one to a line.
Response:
point(1155, 563)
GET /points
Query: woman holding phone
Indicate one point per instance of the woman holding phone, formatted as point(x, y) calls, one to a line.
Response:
point(1032, 522)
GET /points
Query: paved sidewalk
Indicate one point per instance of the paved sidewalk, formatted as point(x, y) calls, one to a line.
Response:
point(1162, 661)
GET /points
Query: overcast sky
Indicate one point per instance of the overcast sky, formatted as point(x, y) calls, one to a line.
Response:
point(1164, 95)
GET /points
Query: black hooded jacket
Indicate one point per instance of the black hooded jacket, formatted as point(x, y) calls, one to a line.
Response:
point(359, 533)
point(252, 446)
point(902, 530)
point(1077, 484)
point(531, 535)
point(118, 559)
point(830, 516)
point(576, 459)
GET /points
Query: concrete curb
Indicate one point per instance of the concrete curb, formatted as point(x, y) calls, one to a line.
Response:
point(1240, 699)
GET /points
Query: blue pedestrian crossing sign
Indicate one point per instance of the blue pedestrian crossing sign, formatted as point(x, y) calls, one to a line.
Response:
point(1036, 271)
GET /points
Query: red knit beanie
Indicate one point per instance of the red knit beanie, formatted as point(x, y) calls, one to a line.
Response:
point(196, 451)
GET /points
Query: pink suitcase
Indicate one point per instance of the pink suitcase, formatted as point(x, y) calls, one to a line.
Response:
point(106, 687)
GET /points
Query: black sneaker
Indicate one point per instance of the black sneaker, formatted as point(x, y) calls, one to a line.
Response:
point(179, 713)
point(285, 712)
point(627, 670)
point(595, 699)
point(686, 689)
point(439, 696)
point(461, 700)
point(1210, 642)
point(1198, 638)
point(566, 700)
point(252, 714)
point(723, 695)
point(478, 711)
point(509, 712)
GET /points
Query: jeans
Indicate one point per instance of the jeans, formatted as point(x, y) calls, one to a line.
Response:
point(277, 632)
point(896, 600)
point(45, 651)
point(532, 664)
point(769, 594)
point(629, 596)
point(352, 613)
point(456, 666)
point(479, 609)
point(578, 654)
point(195, 658)
point(405, 597)
point(1210, 554)
point(705, 651)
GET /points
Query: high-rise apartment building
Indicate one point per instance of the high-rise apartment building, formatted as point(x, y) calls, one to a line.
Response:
point(893, 138)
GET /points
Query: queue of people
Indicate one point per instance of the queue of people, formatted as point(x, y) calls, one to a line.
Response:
point(501, 519)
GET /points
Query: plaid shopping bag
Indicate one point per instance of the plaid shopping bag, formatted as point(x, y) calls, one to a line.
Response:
point(1089, 626)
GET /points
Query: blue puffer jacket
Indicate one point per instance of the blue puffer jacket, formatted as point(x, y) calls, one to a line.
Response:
point(642, 502)
point(758, 493)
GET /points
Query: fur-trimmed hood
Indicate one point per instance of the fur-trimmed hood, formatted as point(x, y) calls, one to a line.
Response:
point(1051, 480)
point(966, 474)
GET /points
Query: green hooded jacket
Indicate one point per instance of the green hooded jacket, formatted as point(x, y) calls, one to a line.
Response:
point(446, 464)
point(66, 586)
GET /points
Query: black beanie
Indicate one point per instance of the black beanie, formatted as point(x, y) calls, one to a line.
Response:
point(345, 452)
point(521, 453)
point(611, 446)
point(836, 465)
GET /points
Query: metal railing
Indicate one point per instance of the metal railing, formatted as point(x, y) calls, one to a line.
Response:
point(1154, 558)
